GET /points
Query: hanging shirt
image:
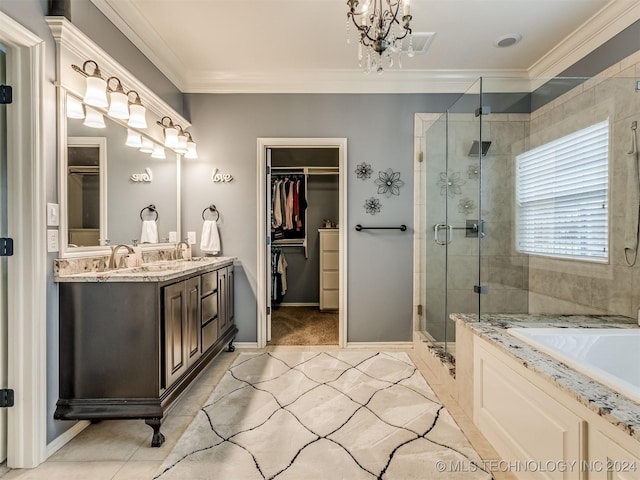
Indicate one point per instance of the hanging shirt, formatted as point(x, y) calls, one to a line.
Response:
point(282, 270)
point(277, 205)
point(289, 205)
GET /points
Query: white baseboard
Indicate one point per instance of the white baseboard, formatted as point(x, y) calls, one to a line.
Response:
point(66, 437)
point(241, 345)
point(381, 345)
point(294, 304)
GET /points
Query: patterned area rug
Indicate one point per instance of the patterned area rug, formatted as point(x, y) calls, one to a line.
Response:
point(322, 415)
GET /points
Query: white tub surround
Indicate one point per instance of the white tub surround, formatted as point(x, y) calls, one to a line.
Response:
point(532, 407)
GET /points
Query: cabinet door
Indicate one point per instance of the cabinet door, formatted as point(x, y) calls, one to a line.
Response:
point(192, 287)
point(175, 352)
point(223, 317)
point(230, 296)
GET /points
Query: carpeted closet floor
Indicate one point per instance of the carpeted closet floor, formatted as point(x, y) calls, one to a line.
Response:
point(303, 326)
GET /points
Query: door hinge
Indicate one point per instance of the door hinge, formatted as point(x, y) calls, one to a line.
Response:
point(419, 309)
point(481, 289)
point(268, 240)
point(6, 247)
point(6, 94)
point(6, 397)
point(420, 157)
point(268, 170)
point(268, 310)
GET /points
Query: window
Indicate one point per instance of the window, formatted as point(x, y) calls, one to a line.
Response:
point(562, 196)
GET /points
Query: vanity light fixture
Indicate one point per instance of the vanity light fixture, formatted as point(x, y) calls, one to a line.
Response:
point(94, 119)
point(75, 109)
point(96, 88)
point(158, 152)
point(147, 146)
point(119, 105)
point(170, 132)
point(137, 112)
point(134, 139)
point(191, 147)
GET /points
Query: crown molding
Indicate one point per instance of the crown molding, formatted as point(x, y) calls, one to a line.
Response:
point(342, 81)
point(612, 19)
point(136, 30)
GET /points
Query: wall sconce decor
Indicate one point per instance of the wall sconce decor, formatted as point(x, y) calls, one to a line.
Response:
point(177, 139)
point(119, 105)
point(96, 87)
point(191, 147)
point(75, 109)
point(93, 119)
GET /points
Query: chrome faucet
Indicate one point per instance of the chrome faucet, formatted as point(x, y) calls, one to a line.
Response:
point(114, 250)
point(178, 253)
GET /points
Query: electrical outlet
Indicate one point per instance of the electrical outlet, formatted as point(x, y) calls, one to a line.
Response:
point(191, 237)
point(173, 237)
point(52, 240)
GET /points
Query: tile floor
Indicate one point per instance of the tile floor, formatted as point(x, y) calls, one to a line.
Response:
point(120, 450)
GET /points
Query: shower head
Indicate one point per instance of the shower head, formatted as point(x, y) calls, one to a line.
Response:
point(473, 152)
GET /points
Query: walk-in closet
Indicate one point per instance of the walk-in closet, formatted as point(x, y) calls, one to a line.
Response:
point(304, 225)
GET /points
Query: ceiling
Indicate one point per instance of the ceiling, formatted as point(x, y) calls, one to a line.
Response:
point(301, 45)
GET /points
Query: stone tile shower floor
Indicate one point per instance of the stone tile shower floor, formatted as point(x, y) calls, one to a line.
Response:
point(119, 450)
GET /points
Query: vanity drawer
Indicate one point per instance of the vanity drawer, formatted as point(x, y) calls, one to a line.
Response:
point(209, 282)
point(209, 334)
point(209, 307)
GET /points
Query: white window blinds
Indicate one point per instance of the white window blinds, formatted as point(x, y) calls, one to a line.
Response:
point(561, 196)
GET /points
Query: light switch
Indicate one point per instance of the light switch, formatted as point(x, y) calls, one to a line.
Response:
point(52, 240)
point(53, 215)
point(173, 237)
point(191, 236)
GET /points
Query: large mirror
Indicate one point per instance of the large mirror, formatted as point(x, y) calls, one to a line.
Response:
point(110, 187)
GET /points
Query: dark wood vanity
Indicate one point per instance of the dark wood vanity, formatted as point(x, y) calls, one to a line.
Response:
point(130, 346)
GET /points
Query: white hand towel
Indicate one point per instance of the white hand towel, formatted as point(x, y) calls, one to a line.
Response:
point(149, 232)
point(210, 239)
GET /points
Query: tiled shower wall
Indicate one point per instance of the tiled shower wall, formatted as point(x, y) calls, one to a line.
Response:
point(569, 286)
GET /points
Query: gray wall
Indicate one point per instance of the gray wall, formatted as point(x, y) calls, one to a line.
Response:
point(379, 131)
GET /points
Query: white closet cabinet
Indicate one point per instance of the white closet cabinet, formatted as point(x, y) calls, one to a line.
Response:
point(329, 268)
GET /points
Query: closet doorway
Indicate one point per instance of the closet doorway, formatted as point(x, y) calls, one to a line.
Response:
point(302, 243)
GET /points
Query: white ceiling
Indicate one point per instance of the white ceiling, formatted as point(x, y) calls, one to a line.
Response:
point(300, 45)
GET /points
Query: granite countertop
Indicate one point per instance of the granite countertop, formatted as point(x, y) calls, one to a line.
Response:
point(149, 272)
point(608, 404)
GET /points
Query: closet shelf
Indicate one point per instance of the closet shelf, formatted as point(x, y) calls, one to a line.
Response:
point(292, 242)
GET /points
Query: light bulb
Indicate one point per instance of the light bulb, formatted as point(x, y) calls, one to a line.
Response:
point(181, 148)
point(158, 152)
point(94, 119)
point(74, 108)
point(191, 150)
point(119, 107)
point(134, 139)
point(137, 116)
point(96, 92)
point(170, 137)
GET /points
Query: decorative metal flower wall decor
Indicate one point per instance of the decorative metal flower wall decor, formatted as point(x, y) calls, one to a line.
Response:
point(372, 205)
point(363, 171)
point(450, 184)
point(389, 183)
point(466, 206)
point(473, 171)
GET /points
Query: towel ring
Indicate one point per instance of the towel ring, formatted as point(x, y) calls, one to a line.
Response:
point(151, 208)
point(212, 208)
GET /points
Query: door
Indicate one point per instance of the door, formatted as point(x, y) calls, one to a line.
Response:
point(267, 220)
point(192, 287)
point(3, 260)
point(175, 330)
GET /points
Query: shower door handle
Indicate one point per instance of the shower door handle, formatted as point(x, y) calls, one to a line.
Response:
point(449, 233)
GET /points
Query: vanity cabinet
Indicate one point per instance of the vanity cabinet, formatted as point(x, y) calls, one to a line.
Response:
point(129, 348)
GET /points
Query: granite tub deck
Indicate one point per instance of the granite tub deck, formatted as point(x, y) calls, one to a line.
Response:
point(608, 404)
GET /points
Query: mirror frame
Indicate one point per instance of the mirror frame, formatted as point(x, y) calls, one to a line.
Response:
point(74, 47)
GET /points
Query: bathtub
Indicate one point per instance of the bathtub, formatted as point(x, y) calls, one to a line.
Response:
point(609, 356)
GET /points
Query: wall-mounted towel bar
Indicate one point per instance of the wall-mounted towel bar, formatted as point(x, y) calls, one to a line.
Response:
point(152, 209)
point(402, 228)
point(212, 208)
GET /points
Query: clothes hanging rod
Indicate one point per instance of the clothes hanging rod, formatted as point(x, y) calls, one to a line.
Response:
point(402, 228)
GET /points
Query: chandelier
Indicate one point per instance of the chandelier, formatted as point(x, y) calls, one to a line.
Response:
point(381, 32)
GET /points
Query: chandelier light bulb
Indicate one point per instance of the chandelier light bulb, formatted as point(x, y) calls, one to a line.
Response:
point(191, 148)
point(96, 92)
point(137, 116)
point(170, 137)
point(119, 106)
point(94, 119)
point(74, 108)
